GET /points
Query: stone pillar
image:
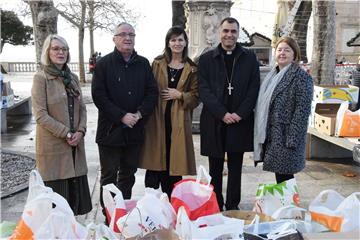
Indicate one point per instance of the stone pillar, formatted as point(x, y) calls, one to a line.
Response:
point(203, 20)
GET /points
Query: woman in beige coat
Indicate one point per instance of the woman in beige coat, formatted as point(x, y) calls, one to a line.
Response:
point(168, 151)
point(60, 116)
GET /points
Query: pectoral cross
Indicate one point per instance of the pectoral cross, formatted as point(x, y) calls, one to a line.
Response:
point(230, 88)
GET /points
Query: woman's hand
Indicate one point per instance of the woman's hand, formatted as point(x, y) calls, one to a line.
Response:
point(75, 139)
point(170, 94)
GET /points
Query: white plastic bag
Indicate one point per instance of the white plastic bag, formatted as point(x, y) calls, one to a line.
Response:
point(43, 212)
point(208, 227)
point(153, 211)
point(336, 212)
point(286, 229)
point(36, 186)
point(270, 197)
point(114, 206)
point(61, 225)
point(100, 231)
point(40, 218)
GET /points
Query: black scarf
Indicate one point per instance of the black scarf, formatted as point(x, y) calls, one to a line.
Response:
point(65, 74)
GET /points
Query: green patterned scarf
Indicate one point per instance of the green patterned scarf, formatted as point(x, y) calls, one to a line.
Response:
point(65, 75)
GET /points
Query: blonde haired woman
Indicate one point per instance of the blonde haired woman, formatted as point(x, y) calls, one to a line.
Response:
point(60, 115)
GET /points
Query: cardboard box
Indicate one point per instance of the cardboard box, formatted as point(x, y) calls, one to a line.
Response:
point(312, 115)
point(335, 93)
point(247, 216)
point(325, 117)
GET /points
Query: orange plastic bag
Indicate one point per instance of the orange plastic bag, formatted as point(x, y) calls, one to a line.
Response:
point(347, 122)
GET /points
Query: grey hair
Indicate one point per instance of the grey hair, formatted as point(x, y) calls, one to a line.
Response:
point(123, 23)
point(45, 59)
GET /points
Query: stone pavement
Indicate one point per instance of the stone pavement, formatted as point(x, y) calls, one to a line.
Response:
point(317, 176)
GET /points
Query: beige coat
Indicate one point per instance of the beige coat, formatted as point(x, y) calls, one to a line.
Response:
point(50, 105)
point(182, 157)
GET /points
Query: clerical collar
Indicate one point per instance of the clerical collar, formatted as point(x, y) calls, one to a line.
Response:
point(227, 52)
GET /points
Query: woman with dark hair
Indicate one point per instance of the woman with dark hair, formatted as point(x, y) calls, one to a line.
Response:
point(168, 151)
point(282, 112)
point(60, 115)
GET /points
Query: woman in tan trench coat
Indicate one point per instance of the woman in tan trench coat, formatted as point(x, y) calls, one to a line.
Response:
point(168, 150)
point(60, 116)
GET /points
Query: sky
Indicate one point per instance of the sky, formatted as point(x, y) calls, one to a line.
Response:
point(151, 28)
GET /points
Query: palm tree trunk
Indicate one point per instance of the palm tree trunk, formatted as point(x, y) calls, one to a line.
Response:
point(91, 26)
point(178, 13)
point(299, 31)
point(324, 53)
point(44, 17)
point(81, 42)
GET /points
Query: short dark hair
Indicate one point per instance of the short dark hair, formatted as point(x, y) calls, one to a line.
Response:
point(294, 46)
point(230, 20)
point(175, 31)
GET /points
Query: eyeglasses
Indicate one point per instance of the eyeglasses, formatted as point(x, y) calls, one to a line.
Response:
point(58, 49)
point(124, 34)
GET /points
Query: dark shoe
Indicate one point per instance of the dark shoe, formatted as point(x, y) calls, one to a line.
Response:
point(233, 208)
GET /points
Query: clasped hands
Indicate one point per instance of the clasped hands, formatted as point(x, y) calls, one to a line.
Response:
point(231, 118)
point(75, 139)
point(170, 94)
point(130, 119)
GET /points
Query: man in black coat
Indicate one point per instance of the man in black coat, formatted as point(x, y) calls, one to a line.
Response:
point(125, 92)
point(229, 81)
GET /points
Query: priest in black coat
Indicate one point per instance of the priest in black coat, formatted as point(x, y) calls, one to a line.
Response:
point(229, 81)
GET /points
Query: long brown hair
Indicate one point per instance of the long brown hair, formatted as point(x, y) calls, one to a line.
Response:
point(175, 31)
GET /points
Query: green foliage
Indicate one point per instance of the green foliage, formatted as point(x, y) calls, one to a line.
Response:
point(13, 31)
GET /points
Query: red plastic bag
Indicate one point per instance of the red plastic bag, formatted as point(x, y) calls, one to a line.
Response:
point(198, 198)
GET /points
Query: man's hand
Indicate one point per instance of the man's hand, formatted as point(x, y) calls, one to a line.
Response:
point(130, 119)
point(236, 117)
point(231, 118)
point(228, 118)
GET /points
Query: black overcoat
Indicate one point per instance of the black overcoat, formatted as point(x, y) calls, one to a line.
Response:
point(212, 84)
point(121, 87)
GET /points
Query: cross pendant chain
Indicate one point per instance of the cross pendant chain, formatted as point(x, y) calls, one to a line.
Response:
point(230, 88)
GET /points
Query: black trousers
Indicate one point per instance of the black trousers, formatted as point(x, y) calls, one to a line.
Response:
point(283, 177)
point(154, 179)
point(114, 168)
point(233, 191)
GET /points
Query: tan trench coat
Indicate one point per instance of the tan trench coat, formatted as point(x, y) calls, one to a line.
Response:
point(54, 158)
point(182, 157)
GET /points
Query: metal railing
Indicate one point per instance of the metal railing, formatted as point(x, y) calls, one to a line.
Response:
point(31, 66)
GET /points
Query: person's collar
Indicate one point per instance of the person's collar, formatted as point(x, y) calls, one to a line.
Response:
point(227, 52)
point(119, 55)
point(219, 50)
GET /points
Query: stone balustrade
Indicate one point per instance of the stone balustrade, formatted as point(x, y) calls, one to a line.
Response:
point(31, 66)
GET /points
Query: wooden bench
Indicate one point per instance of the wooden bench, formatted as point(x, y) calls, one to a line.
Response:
point(319, 145)
point(20, 107)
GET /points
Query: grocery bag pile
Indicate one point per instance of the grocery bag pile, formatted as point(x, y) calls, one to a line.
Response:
point(191, 213)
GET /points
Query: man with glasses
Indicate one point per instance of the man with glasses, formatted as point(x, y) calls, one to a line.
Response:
point(229, 82)
point(125, 92)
